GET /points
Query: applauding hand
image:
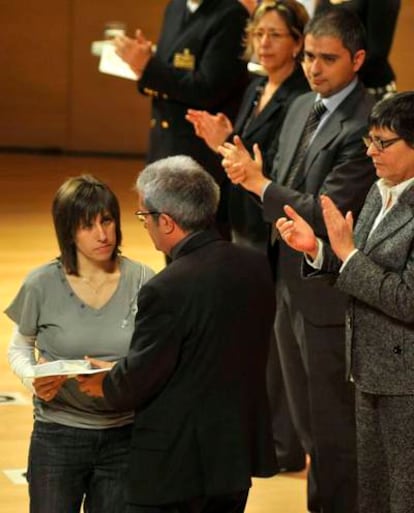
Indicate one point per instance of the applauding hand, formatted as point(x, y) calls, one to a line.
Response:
point(241, 168)
point(297, 233)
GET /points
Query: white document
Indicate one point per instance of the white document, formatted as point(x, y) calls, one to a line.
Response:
point(63, 367)
point(111, 64)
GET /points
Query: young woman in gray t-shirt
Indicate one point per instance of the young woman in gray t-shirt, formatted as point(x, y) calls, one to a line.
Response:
point(82, 303)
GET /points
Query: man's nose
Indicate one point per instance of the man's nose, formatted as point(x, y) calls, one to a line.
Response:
point(315, 67)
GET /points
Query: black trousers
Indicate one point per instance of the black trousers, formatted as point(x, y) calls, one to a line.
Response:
point(228, 503)
point(322, 406)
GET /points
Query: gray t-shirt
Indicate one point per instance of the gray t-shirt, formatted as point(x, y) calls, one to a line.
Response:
point(65, 328)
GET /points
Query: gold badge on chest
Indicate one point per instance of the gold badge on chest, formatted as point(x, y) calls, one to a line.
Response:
point(184, 60)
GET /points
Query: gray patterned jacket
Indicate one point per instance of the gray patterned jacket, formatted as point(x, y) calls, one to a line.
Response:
point(380, 282)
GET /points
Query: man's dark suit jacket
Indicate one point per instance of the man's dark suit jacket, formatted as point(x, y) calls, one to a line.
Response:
point(246, 215)
point(212, 77)
point(195, 374)
point(337, 165)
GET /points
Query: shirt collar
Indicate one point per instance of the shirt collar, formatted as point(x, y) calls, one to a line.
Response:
point(332, 102)
point(386, 189)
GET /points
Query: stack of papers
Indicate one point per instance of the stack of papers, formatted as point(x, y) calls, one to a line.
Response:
point(63, 368)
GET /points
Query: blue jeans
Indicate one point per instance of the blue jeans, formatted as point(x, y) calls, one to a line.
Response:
point(69, 465)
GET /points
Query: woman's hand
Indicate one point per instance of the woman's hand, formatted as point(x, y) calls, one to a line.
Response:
point(297, 233)
point(214, 129)
point(47, 388)
point(241, 168)
point(339, 228)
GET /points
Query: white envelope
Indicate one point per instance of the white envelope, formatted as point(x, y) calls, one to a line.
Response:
point(64, 368)
point(111, 64)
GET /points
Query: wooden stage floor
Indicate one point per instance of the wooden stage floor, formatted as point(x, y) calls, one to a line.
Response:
point(27, 186)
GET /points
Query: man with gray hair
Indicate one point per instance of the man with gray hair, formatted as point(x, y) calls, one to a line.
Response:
point(195, 372)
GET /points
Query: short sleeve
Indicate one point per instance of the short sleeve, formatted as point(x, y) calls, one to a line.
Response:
point(25, 308)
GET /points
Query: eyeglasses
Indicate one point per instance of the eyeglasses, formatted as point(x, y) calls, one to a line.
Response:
point(142, 214)
point(380, 144)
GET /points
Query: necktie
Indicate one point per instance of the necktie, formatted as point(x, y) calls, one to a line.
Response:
point(311, 125)
point(297, 163)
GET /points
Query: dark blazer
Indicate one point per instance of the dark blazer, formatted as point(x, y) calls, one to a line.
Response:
point(195, 374)
point(212, 77)
point(379, 18)
point(246, 215)
point(380, 282)
point(337, 165)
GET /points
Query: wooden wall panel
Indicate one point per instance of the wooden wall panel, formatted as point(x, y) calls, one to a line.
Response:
point(34, 85)
point(52, 95)
point(401, 56)
point(107, 113)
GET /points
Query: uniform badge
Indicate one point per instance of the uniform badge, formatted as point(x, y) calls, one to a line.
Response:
point(184, 60)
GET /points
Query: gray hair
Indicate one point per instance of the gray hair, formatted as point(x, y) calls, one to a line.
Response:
point(180, 187)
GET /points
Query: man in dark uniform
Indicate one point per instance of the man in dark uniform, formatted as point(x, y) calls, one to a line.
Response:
point(197, 64)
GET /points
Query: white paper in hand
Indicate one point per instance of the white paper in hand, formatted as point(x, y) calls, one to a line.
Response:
point(63, 368)
point(111, 64)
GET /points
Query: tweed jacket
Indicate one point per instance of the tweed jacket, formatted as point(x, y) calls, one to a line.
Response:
point(379, 279)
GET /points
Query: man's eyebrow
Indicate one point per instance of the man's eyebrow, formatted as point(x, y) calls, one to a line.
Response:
point(323, 55)
point(329, 55)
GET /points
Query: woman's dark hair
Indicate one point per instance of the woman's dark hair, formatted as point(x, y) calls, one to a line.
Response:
point(395, 113)
point(77, 203)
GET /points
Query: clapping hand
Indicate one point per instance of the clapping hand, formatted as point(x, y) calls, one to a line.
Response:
point(297, 233)
point(135, 52)
point(241, 167)
point(214, 129)
point(339, 228)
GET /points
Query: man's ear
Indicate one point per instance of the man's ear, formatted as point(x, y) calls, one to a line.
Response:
point(166, 223)
point(358, 59)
